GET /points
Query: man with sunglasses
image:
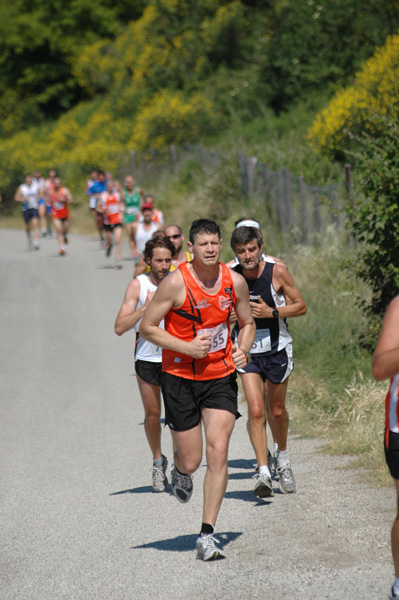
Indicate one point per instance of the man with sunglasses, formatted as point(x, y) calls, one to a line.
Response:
point(175, 235)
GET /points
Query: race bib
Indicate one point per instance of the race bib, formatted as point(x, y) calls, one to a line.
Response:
point(132, 210)
point(112, 209)
point(219, 335)
point(262, 342)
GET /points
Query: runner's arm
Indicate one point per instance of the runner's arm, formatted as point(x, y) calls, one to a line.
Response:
point(128, 315)
point(282, 283)
point(246, 334)
point(170, 294)
point(386, 354)
point(18, 196)
point(68, 196)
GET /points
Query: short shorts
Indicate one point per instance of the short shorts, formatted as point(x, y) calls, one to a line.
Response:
point(92, 202)
point(40, 201)
point(112, 227)
point(392, 452)
point(150, 372)
point(184, 398)
point(275, 367)
point(29, 214)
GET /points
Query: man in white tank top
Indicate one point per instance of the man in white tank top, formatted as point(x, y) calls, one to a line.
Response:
point(142, 231)
point(148, 357)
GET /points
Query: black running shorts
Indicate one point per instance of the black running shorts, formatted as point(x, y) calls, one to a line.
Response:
point(275, 367)
point(150, 372)
point(109, 227)
point(392, 453)
point(184, 398)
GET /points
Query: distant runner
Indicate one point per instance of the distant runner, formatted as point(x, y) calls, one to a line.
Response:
point(148, 357)
point(132, 198)
point(28, 195)
point(59, 198)
point(110, 207)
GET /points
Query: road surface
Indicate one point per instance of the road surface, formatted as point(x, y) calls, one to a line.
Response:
point(79, 518)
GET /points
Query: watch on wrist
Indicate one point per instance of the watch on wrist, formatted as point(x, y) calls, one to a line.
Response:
point(275, 313)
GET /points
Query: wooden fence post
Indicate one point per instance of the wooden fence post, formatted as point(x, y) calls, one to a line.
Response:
point(304, 209)
point(251, 164)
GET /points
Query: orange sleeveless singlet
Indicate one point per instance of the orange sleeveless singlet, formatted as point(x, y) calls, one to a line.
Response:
point(202, 313)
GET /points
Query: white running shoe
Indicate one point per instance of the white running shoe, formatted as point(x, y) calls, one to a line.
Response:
point(206, 548)
point(159, 479)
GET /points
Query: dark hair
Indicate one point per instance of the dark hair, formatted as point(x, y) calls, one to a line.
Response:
point(203, 226)
point(244, 235)
point(159, 242)
point(148, 196)
point(177, 227)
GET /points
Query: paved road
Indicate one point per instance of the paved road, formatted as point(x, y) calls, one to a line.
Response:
point(79, 519)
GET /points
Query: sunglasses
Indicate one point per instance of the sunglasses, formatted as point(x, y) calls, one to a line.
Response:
point(173, 237)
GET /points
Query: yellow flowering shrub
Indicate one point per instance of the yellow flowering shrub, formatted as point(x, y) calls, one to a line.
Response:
point(171, 119)
point(98, 66)
point(374, 94)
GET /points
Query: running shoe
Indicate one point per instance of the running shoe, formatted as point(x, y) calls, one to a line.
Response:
point(159, 479)
point(62, 252)
point(36, 246)
point(263, 486)
point(108, 251)
point(206, 548)
point(286, 479)
point(118, 265)
point(182, 486)
point(271, 463)
point(392, 595)
point(65, 239)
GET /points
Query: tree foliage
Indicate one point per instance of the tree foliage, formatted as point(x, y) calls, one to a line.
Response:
point(375, 218)
point(364, 104)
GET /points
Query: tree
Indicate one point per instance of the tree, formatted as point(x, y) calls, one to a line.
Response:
point(375, 221)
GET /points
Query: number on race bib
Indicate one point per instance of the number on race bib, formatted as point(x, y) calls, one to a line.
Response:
point(219, 335)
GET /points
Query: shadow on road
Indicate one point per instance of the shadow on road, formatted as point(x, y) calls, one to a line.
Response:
point(147, 489)
point(185, 543)
point(248, 496)
point(242, 463)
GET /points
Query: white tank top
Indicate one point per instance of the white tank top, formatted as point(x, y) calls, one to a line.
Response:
point(146, 350)
point(29, 195)
point(142, 236)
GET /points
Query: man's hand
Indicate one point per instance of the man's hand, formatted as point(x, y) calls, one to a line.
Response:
point(199, 346)
point(239, 357)
point(261, 310)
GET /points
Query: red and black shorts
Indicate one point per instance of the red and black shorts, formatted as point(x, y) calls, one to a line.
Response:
point(184, 399)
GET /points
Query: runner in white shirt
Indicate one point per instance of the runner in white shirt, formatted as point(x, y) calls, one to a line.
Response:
point(148, 357)
point(28, 195)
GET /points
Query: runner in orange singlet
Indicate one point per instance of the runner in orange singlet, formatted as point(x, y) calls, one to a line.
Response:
point(199, 363)
point(110, 206)
point(58, 198)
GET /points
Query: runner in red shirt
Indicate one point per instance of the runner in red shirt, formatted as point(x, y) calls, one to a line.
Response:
point(58, 198)
point(110, 205)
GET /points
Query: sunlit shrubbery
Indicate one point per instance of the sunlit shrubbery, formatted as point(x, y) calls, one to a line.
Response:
point(171, 119)
point(373, 96)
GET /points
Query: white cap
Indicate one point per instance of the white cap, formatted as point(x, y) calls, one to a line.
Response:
point(248, 223)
